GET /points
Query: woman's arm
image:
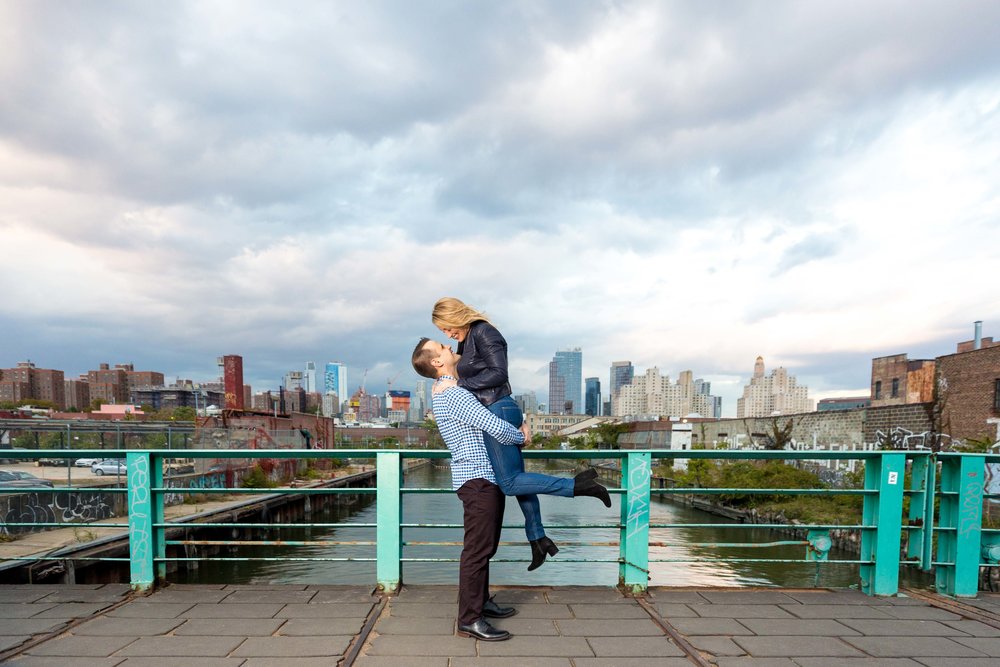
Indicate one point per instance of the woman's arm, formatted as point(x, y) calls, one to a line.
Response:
point(491, 359)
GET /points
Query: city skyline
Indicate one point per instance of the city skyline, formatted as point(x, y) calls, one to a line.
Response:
point(568, 360)
point(660, 182)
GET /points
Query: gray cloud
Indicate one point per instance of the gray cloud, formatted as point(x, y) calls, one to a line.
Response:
point(293, 185)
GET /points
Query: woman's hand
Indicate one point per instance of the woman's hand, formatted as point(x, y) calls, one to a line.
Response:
point(444, 383)
point(527, 434)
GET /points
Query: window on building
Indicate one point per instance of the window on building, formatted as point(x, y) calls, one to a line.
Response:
point(996, 394)
point(895, 387)
point(878, 389)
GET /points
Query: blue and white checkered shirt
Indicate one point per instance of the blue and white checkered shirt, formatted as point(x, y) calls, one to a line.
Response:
point(461, 418)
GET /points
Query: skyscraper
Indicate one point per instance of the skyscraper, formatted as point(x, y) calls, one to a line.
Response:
point(335, 379)
point(622, 373)
point(775, 393)
point(528, 402)
point(566, 382)
point(310, 378)
point(592, 401)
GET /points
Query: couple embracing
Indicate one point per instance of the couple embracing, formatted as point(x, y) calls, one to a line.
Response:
point(484, 430)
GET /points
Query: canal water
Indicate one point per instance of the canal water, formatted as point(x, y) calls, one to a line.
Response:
point(567, 568)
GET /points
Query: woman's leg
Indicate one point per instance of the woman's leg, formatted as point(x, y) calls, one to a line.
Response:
point(508, 465)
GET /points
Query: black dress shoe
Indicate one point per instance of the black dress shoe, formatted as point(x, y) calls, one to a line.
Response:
point(483, 630)
point(492, 610)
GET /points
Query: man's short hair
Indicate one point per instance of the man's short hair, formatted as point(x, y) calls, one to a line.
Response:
point(422, 360)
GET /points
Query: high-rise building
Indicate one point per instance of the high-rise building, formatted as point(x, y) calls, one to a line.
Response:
point(366, 406)
point(566, 382)
point(311, 379)
point(777, 393)
point(25, 382)
point(397, 401)
point(294, 380)
point(528, 402)
point(654, 395)
point(331, 404)
point(77, 393)
point(335, 379)
point(622, 373)
point(418, 406)
point(592, 401)
point(705, 388)
point(108, 385)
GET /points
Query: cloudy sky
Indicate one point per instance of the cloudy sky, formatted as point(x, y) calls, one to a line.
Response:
point(682, 185)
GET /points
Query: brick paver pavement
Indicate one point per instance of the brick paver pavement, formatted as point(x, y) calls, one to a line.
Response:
point(303, 626)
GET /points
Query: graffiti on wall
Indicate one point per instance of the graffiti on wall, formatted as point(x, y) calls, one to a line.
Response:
point(61, 507)
point(901, 438)
point(210, 481)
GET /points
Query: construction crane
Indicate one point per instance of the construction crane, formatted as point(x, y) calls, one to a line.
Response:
point(388, 383)
point(363, 377)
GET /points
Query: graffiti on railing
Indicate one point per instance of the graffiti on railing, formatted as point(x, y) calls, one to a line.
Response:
point(140, 541)
point(638, 504)
point(971, 514)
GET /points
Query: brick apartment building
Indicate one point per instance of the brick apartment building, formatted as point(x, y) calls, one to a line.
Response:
point(969, 390)
point(115, 385)
point(77, 394)
point(897, 380)
point(108, 384)
point(26, 383)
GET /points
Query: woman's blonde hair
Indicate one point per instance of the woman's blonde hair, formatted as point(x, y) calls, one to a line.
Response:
point(452, 313)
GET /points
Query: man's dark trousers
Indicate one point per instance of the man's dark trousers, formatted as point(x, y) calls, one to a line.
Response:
point(483, 503)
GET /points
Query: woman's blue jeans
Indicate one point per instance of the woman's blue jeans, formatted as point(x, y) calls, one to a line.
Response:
point(508, 466)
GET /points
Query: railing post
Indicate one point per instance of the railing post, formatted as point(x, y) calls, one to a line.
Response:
point(919, 539)
point(959, 541)
point(633, 552)
point(144, 510)
point(883, 510)
point(389, 542)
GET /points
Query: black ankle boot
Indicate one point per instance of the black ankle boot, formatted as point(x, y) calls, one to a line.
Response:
point(539, 549)
point(584, 485)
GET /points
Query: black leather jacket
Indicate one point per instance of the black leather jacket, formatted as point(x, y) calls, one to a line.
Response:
point(483, 366)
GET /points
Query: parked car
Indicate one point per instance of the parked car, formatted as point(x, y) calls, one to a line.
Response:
point(53, 462)
point(17, 479)
point(8, 461)
point(178, 466)
point(85, 463)
point(109, 467)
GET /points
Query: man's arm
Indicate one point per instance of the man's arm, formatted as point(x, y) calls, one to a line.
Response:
point(464, 407)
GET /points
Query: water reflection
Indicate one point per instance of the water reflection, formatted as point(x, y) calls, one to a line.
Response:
point(565, 569)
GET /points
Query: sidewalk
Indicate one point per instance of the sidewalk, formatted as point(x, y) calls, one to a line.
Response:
point(305, 626)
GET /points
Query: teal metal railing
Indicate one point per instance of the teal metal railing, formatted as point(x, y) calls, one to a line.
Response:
point(943, 528)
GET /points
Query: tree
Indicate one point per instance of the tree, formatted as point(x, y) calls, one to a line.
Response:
point(607, 434)
point(184, 414)
point(779, 435)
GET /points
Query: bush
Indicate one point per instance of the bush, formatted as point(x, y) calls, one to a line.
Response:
point(257, 479)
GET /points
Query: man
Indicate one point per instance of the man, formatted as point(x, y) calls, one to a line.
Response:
point(461, 418)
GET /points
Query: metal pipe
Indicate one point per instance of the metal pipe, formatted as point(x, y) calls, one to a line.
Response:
point(978, 341)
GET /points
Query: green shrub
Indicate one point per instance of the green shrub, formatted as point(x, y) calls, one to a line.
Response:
point(258, 479)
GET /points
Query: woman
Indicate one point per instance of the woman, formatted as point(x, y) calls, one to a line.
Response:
point(483, 371)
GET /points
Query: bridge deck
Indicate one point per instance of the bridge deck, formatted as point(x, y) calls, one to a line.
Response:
point(299, 626)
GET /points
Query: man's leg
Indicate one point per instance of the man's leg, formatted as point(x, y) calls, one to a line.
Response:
point(482, 503)
point(501, 502)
